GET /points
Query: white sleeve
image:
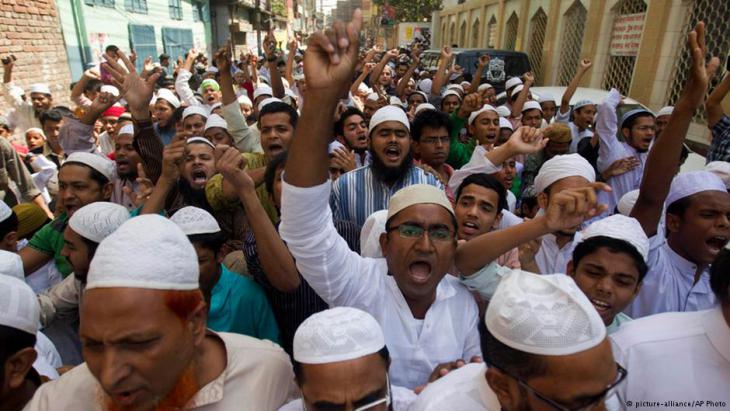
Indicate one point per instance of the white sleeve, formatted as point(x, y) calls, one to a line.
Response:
point(562, 118)
point(478, 163)
point(486, 280)
point(610, 148)
point(182, 88)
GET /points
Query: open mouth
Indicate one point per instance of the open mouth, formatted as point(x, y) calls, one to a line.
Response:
point(210, 99)
point(392, 153)
point(716, 243)
point(275, 148)
point(70, 208)
point(603, 307)
point(420, 272)
point(199, 177)
point(126, 398)
point(468, 228)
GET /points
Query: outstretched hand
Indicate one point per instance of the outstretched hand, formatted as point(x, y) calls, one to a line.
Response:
point(700, 73)
point(570, 208)
point(136, 90)
point(527, 140)
point(231, 164)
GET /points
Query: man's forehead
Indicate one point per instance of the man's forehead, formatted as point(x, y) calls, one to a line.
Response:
point(390, 125)
point(424, 212)
point(719, 200)
point(199, 148)
point(479, 192)
point(74, 172)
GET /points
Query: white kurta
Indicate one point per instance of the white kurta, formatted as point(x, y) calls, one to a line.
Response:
point(258, 376)
point(680, 357)
point(465, 389)
point(344, 278)
point(551, 258)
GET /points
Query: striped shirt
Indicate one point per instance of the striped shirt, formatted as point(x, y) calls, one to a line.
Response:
point(358, 193)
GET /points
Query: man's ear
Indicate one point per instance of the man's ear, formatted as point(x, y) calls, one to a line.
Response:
point(9, 242)
point(673, 221)
point(497, 222)
point(198, 322)
point(107, 191)
point(542, 200)
point(501, 386)
point(384, 244)
point(18, 365)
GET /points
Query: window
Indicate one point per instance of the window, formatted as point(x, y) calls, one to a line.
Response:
point(200, 11)
point(176, 42)
point(136, 6)
point(142, 40)
point(175, 9)
point(102, 3)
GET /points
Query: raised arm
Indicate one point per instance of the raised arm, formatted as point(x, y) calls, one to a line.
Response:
point(289, 69)
point(582, 69)
point(713, 105)
point(663, 159)
point(400, 89)
point(440, 78)
point(272, 58)
point(378, 69)
point(10, 99)
point(477, 80)
point(610, 149)
point(366, 69)
point(77, 92)
point(173, 156)
point(182, 87)
point(529, 80)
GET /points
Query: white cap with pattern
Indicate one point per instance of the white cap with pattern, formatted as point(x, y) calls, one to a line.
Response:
point(194, 220)
point(531, 105)
point(262, 90)
point(101, 164)
point(627, 201)
point(418, 194)
point(95, 221)
point(691, 183)
point(199, 110)
point(474, 114)
point(619, 227)
point(19, 308)
point(388, 113)
point(168, 96)
point(718, 168)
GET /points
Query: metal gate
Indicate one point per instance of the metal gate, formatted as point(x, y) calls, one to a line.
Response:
point(538, 25)
point(620, 70)
point(574, 23)
point(510, 38)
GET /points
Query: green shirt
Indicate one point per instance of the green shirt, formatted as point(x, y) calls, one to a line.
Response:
point(239, 305)
point(459, 153)
point(49, 240)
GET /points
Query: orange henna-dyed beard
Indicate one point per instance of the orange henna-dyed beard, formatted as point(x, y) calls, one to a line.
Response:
point(185, 388)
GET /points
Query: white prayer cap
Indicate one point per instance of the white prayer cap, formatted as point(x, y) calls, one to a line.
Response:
point(20, 309)
point(243, 99)
point(424, 106)
point(95, 221)
point(262, 90)
point(545, 97)
point(583, 103)
point(627, 201)
point(422, 94)
point(451, 93)
point(372, 97)
point(168, 96)
point(504, 123)
point(455, 87)
point(388, 113)
point(212, 69)
point(216, 121)
point(425, 85)
point(474, 114)
point(189, 111)
point(563, 166)
point(337, 334)
point(512, 82)
point(373, 227)
point(516, 91)
point(194, 220)
point(335, 145)
point(40, 88)
point(126, 129)
point(417, 194)
point(106, 88)
point(396, 101)
point(11, 265)
point(665, 111)
point(464, 84)
point(633, 113)
point(501, 95)
point(363, 88)
point(101, 164)
point(289, 92)
point(693, 182)
point(619, 227)
point(201, 140)
point(214, 106)
point(5, 211)
point(148, 252)
point(531, 105)
point(503, 111)
point(484, 86)
point(718, 168)
point(543, 315)
point(267, 101)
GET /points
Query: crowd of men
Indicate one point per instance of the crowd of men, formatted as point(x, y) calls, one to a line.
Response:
point(341, 228)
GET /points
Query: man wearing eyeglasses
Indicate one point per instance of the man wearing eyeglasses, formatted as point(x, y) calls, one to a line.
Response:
point(427, 317)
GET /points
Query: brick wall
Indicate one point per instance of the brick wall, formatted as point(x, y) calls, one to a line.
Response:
point(31, 30)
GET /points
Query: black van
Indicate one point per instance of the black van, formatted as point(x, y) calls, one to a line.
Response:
point(503, 64)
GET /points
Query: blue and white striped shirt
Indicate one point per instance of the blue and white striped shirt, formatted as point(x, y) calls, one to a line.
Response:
point(358, 193)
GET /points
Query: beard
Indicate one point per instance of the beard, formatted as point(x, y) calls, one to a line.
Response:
point(390, 175)
point(183, 390)
point(193, 196)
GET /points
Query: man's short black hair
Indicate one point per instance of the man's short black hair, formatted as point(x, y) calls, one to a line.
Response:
point(65, 111)
point(211, 241)
point(340, 123)
point(13, 340)
point(51, 115)
point(680, 206)
point(9, 225)
point(614, 245)
point(280, 107)
point(720, 276)
point(631, 121)
point(431, 119)
point(164, 56)
point(94, 174)
point(177, 115)
point(513, 362)
point(93, 85)
point(489, 182)
point(383, 353)
point(276, 163)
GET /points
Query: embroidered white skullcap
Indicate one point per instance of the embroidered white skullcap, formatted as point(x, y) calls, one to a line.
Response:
point(126, 129)
point(243, 99)
point(563, 166)
point(503, 111)
point(106, 88)
point(516, 91)
point(11, 265)
point(502, 95)
point(425, 85)
point(474, 114)
point(545, 97)
point(718, 168)
point(665, 111)
point(262, 90)
point(95, 221)
point(424, 106)
point(215, 106)
point(373, 227)
point(451, 93)
point(388, 113)
point(101, 164)
point(396, 101)
point(149, 252)
point(168, 96)
point(40, 88)
point(289, 92)
point(337, 334)
point(216, 121)
point(504, 123)
point(194, 220)
point(632, 113)
point(5, 211)
point(189, 111)
point(372, 97)
point(543, 314)
point(531, 105)
point(627, 201)
point(201, 140)
point(583, 103)
point(19, 307)
point(484, 86)
point(619, 227)
point(693, 182)
point(512, 82)
point(267, 101)
point(417, 194)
